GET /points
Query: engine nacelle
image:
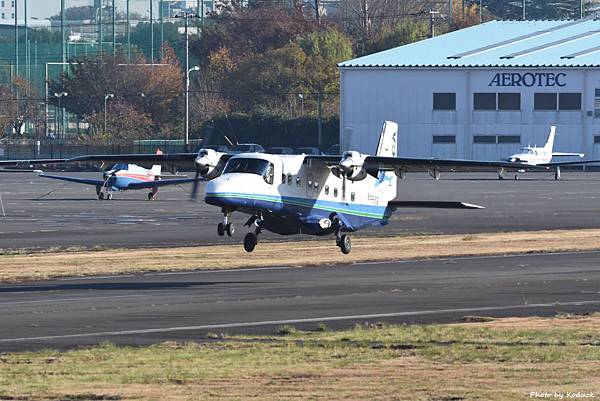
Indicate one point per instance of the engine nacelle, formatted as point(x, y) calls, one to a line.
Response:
point(206, 161)
point(352, 165)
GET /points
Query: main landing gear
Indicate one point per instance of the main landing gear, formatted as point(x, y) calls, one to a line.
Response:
point(107, 195)
point(226, 226)
point(342, 241)
point(251, 239)
point(150, 196)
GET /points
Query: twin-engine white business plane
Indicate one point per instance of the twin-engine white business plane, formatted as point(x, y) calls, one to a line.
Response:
point(306, 194)
point(541, 156)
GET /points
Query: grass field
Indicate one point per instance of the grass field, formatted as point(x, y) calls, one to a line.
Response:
point(38, 266)
point(502, 359)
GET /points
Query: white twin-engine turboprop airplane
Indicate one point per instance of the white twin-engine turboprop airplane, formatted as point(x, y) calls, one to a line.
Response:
point(306, 194)
point(540, 156)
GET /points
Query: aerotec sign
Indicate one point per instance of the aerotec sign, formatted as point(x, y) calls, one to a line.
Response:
point(529, 79)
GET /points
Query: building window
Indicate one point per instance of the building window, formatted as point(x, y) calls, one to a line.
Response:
point(12, 4)
point(544, 101)
point(509, 101)
point(2, 15)
point(484, 101)
point(444, 139)
point(3, 6)
point(596, 138)
point(484, 138)
point(597, 103)
point(12, 15)
point(444, 101)
point(509, 139)
point(569, 101)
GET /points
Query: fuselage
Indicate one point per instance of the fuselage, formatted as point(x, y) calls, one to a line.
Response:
point(122, 175)
point(292, 197)
point(531, 156)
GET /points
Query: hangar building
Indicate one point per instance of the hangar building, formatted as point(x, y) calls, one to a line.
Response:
point(479, 93)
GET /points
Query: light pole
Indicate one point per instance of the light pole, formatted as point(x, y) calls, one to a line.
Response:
point(60, 96)
point(301, 96)
point(187, 104)
point(106, 97)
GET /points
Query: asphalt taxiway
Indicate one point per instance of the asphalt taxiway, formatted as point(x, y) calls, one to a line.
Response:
point(187, 305)
point(42, 213)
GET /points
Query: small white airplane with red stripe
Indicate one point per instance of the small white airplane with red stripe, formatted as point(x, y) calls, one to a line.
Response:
point(125, 177)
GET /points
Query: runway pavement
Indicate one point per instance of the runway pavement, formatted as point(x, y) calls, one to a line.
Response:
point(187, 305)
point(42, 213)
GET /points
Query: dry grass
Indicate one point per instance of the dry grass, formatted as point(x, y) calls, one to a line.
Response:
point(18, 267)
point(503, 359)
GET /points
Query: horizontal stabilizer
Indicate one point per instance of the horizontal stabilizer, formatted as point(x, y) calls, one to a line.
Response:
point(433, 205)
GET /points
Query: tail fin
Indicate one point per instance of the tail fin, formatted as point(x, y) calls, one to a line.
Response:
point(157, 168)
point(388, 141)
point(388, 145)
point(550, 143)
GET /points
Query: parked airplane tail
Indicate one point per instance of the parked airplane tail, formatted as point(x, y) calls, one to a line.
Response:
point(550, 143)
point(157, 168)
point(388, 147)
point(388, 141)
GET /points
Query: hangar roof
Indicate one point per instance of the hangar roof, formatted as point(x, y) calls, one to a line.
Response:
point(563, 43)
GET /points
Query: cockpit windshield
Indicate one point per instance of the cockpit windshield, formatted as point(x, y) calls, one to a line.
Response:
point(120, 166)
point(526, 151)
point(253, 166)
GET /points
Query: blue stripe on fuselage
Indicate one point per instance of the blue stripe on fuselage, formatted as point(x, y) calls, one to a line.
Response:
point(354, 215)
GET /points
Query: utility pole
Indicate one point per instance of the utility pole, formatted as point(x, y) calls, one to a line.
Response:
point(480, 11)
point(186, 16)
point(128, 32)
point(450, 10)
point(100, 37)
point(16, 39)
point(151, 34)
point(26, 40)
point(580, 8)
point(106, 97)
point(523, 10)
point(432, 23)
point(114, 32)
point(317, 11)
point(320, 120)
point(162, 34)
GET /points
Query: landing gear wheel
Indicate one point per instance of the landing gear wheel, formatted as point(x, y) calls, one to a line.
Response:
point(229, 229)
point(500, 177)
point(108, 196)
point(250, 241)
point(516, 177)
point(150, 196)
point(221, 229)
point(345, 244)
point(101, 195)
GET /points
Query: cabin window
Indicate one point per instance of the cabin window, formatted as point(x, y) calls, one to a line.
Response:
point(298, 182)
point(316, 184)
point(352, 196)
point(335, 192)
point(309, 183)
point(283, 178)
point(289, 179)
point(327, 186)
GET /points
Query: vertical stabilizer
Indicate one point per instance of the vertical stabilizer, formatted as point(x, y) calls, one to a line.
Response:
point(388, 145)
point(388, 141)
point(550, 143)
point(157, 168)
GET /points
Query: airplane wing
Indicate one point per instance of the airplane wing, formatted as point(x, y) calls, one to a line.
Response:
point(572, 163)
point(411, 164)
point(160, 183)
point(433, 205)
point(31, 162)
point(170, 159)
point(87, 181)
